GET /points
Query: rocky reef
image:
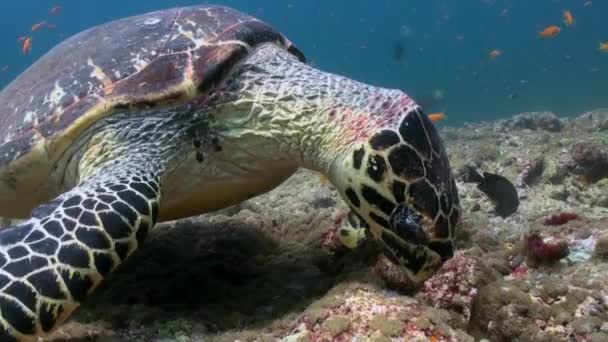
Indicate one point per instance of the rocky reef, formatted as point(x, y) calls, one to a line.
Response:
point(269, 269)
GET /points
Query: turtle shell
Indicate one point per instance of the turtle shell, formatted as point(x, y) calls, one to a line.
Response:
point(164, 56)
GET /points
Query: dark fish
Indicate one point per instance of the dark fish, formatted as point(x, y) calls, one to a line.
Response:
point(513, 96)
point(398, 50)
point(499, 189)
point(407, 224)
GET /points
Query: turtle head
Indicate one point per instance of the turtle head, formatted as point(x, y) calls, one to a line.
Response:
point(396, 177)
point(375, 144)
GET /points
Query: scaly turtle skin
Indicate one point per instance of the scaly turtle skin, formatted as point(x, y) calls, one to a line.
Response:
point(183, 111)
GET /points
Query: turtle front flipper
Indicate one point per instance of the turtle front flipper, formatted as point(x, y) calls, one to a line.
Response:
point(51, 262)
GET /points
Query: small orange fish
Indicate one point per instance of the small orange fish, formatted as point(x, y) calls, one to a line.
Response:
point(568, 18)
point(38, 26)
point(603, 47)
point(27, 45)
point(495, 54)
point(56, 10)
point(436, 117)
point(549, 32)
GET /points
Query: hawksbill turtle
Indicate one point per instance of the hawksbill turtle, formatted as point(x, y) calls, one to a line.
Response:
point(183, 111)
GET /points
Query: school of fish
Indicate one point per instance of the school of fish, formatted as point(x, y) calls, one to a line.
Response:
point(26, 41)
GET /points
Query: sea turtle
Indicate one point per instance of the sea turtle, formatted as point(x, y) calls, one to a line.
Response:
point(183, 111)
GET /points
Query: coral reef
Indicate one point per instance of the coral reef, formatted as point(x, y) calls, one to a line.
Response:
point(546, 121)
point(590, 160)
point(532, 172)
point(560, 218)
point(273, 268)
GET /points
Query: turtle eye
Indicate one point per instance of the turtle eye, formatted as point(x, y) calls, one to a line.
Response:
point(407, 224)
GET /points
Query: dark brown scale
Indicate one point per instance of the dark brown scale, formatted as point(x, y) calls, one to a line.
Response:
point(121, 248)
point(376, 168)
point(116, 227)
point(135, 200)
point(103, 263)
point(25, 266)
point(16, 317)
point(73, 255)
point(126, 212)
point(46, 284)
point(47, 246)
point(25, 294)
point(399, 189)
point(88, 219)
point(431, 132)
point(442, 227)
point(35, 236)
point(406, 163)
point(54, 227)
point(93, 238)
point(77, 283)
point(352, 197)
point(17, 252)
point(377, 200)
point(358, 158)
point(379, 220)
point(412, 131)
point(47, 315)
point(384, 139)
point(73, 212)
point(425, 198)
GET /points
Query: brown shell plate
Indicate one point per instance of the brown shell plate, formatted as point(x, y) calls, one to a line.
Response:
point(168, 55)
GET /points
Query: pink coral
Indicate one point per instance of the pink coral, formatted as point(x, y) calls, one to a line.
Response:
point(519, 272)
point(541, 250)
point(330, 242)
point(453, 286)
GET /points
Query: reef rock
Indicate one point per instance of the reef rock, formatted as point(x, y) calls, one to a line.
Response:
point(545, 121)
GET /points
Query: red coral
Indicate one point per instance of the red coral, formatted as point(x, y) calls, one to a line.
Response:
point(330, 242)
point(545, 251)
point(560, 218)
point(519, 272)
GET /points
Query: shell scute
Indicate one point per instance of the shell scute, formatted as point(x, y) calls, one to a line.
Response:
point(163, 73)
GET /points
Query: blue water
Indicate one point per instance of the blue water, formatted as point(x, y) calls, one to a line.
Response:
point(423, 47)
